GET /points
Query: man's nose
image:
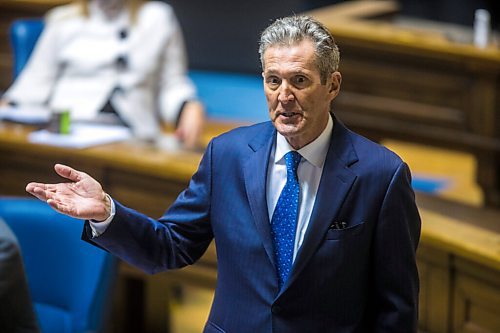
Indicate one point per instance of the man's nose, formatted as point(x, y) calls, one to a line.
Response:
point(285, 93)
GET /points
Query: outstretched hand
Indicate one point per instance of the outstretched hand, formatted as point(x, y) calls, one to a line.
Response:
point(82, 197)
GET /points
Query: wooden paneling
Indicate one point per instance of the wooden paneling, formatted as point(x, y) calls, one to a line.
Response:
point(401, 90)
point(417, 84)
point(476, 296)
point(459, 266)
point(434, 303)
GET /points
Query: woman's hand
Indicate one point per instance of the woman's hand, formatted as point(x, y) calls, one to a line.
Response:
point(191, 124)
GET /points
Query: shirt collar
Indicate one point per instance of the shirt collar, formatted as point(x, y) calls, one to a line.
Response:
point(314, 152)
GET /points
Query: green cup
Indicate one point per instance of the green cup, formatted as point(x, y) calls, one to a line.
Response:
point(64, 122)
point(60, 122)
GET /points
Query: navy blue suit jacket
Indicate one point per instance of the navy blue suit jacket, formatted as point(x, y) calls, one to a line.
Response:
point(362, 278)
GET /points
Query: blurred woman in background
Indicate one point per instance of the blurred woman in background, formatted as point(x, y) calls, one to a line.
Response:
point(118, 59)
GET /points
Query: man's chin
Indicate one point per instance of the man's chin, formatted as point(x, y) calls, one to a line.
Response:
point(287, 130)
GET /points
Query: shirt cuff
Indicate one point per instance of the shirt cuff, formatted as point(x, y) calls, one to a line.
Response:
point(99, 227)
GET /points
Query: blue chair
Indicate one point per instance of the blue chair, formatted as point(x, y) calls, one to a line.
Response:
point(71, 282)
point(23, 34)
point(231, 96)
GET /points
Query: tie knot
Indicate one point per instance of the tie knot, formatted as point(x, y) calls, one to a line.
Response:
point(292, 159)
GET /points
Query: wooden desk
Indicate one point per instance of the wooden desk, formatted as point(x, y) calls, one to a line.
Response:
point(458, 257)
point(136, 174)
point(418, 84)
point(459, 267)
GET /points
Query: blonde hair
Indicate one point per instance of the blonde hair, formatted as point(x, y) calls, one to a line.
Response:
point(132, 5)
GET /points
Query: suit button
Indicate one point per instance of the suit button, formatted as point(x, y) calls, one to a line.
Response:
point(276, 309)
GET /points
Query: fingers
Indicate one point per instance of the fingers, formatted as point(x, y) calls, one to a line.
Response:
point(45, 193)
point(68, 172)
point(190, 139)
point(60, 207)
point(179, 134)
point(37, 190)
point(42, 191)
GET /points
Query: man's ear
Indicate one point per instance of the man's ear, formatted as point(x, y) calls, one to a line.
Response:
point(335, 81)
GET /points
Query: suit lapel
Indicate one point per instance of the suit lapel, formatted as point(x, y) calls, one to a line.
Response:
point(336, 182)
point(255, 173)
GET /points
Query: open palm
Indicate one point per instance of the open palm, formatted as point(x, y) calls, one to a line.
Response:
point(82, 197)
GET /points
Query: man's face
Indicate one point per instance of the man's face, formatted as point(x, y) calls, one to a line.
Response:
point(298, 103)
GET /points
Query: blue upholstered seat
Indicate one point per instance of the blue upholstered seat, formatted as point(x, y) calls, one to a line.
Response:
point(23, 36)
point(231, 96)
point(71, 281)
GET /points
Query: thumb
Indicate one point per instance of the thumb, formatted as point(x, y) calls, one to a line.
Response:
point(68, 172)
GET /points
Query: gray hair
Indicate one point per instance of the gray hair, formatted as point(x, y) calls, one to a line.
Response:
point(292, 30)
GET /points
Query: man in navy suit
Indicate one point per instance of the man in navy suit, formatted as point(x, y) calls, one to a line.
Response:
point(348, 229)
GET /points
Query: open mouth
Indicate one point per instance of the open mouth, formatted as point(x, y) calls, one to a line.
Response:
point(287, 114)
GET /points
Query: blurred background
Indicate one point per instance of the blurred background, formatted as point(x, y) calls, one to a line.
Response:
point(413, 80)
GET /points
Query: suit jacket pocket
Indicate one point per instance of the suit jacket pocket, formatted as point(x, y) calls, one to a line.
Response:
point(212, 328)
point(338, 234)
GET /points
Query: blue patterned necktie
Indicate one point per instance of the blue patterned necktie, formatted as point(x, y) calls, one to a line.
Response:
point(284, 221)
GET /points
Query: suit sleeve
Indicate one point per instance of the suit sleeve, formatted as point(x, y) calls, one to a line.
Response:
point(395, 277)
point(178, 238)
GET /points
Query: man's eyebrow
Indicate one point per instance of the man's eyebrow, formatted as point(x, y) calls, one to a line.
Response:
point(301, 72)
point(292, 73)
point(270, 71)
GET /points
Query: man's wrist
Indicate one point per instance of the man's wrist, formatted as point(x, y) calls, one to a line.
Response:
point(108, 208)
point(99, 227)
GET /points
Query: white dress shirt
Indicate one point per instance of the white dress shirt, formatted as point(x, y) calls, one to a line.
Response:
point(309, 174)
point(74, 66)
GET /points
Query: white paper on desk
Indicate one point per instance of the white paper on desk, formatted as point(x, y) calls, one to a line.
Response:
point(32, 114)
point(82, 136)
